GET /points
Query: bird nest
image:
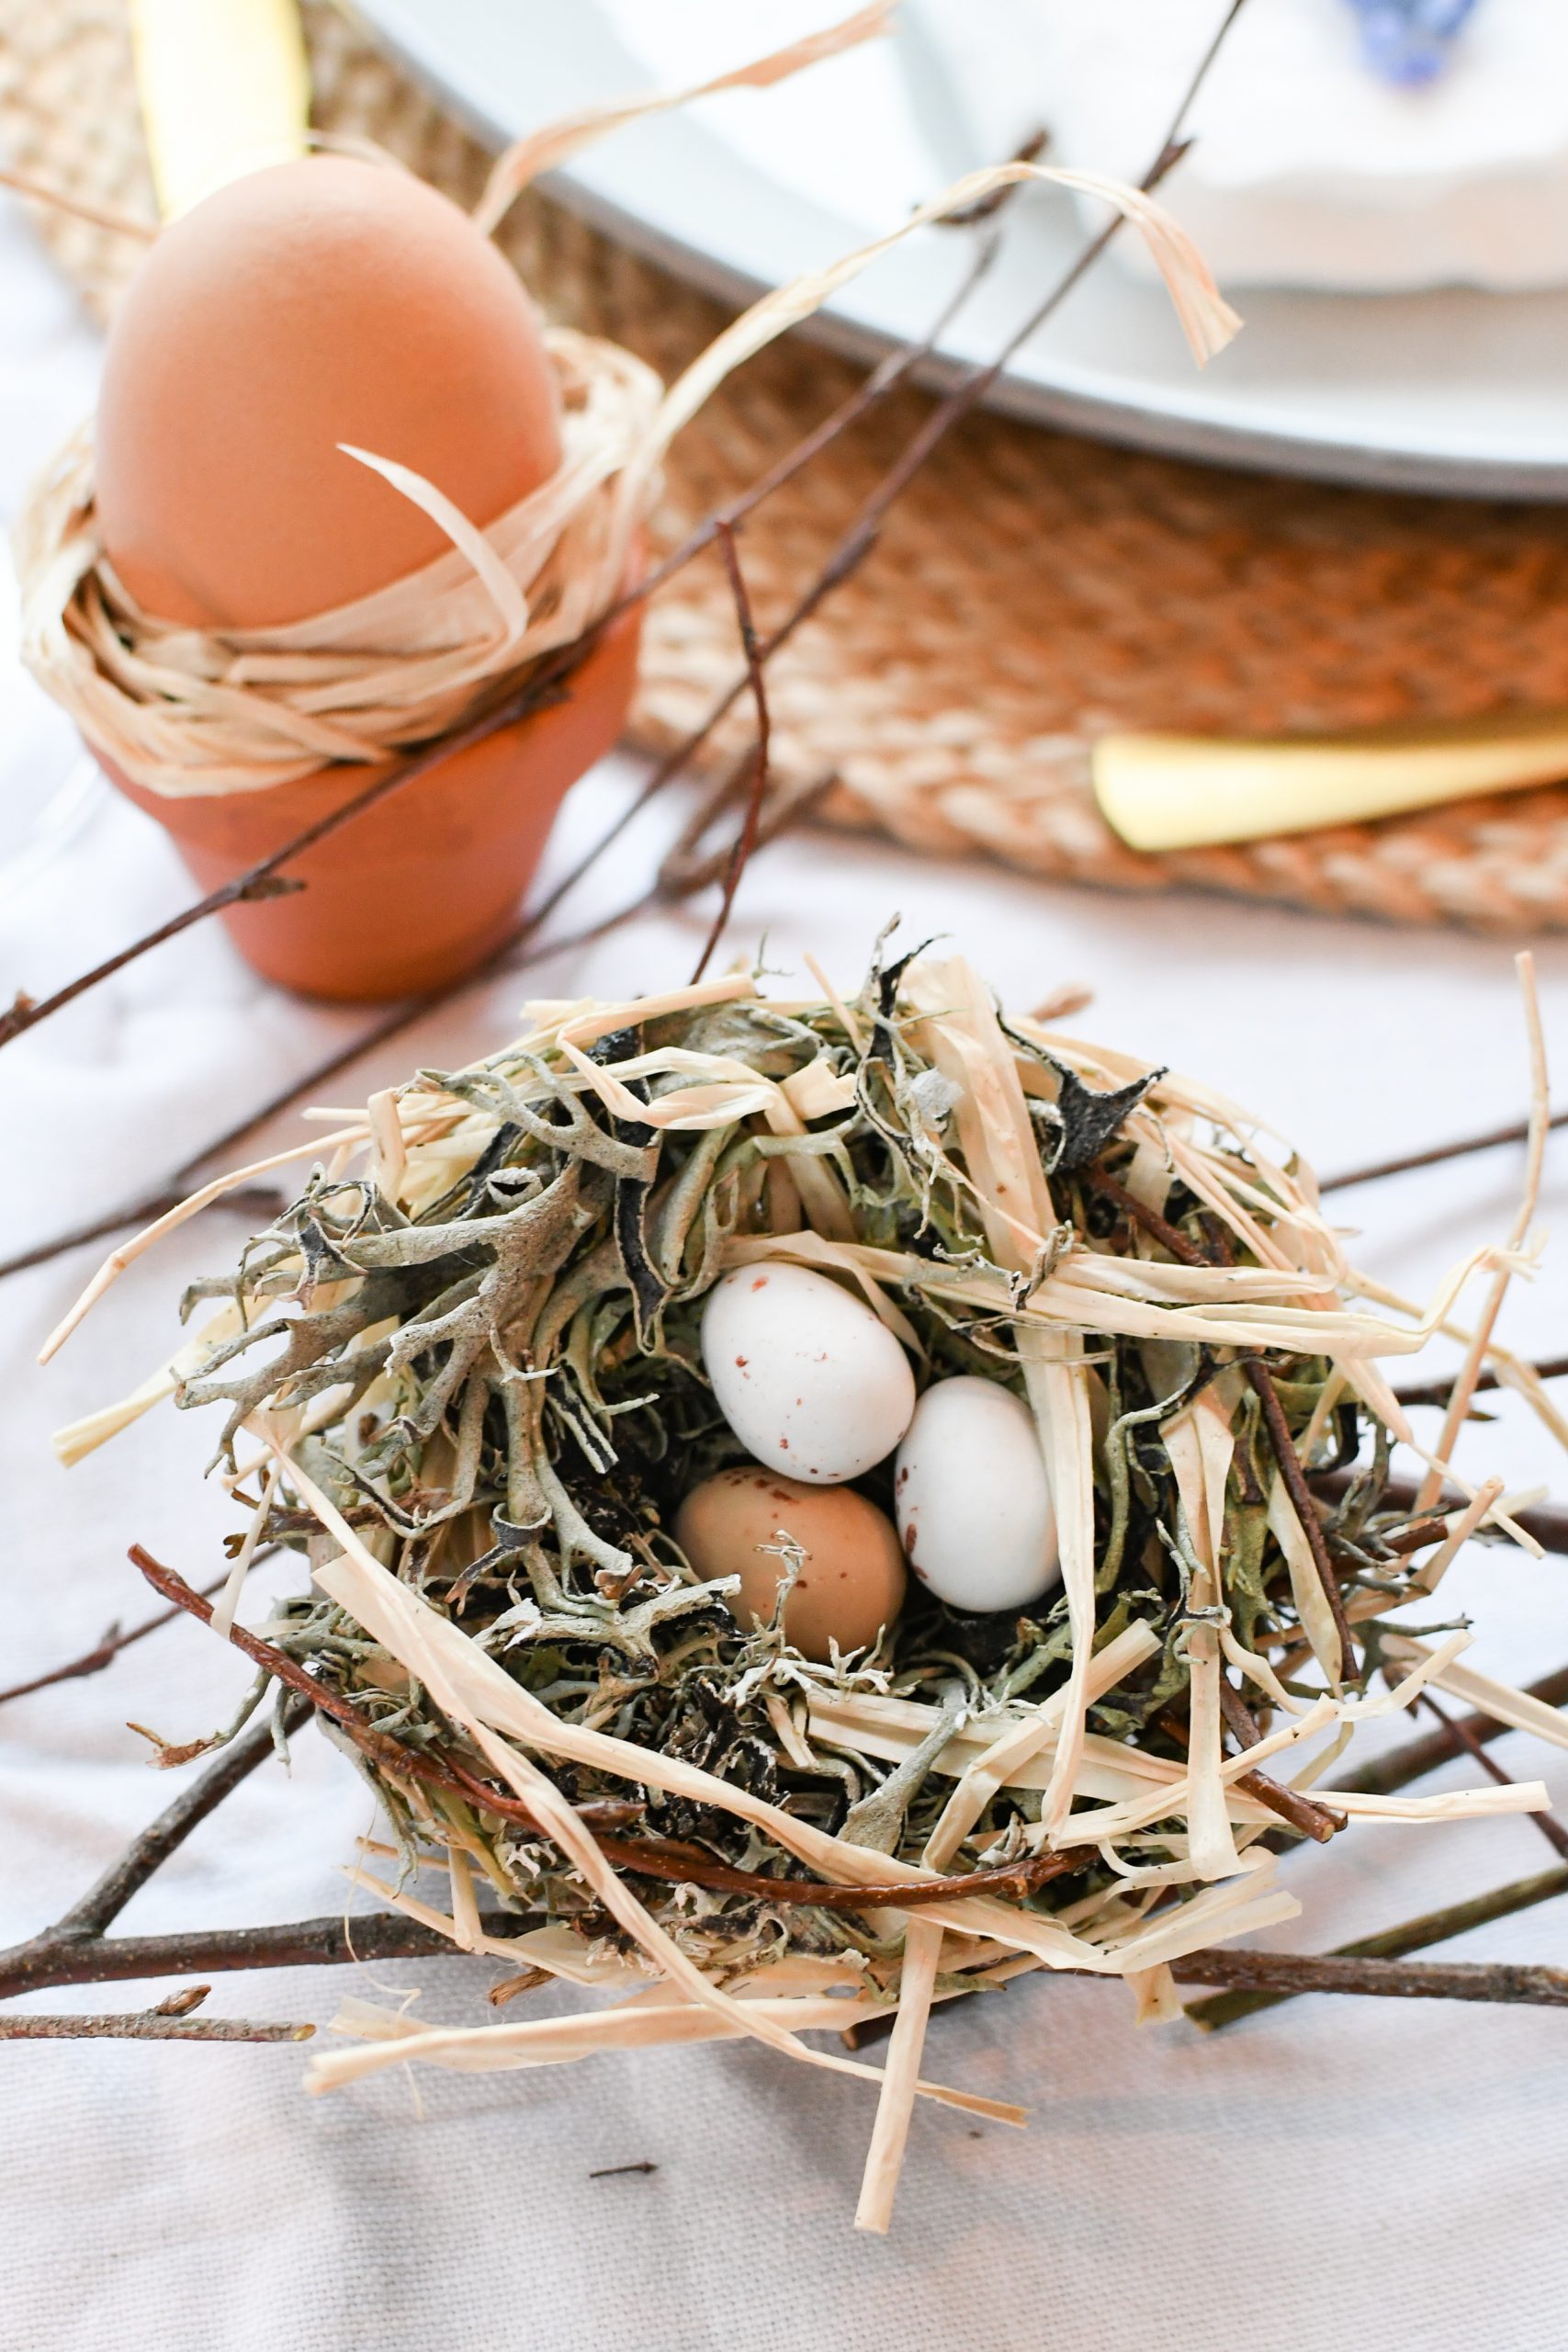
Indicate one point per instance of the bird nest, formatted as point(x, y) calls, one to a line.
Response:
point(463, 1377)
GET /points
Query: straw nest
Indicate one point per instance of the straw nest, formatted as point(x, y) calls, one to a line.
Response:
point(467, 1363)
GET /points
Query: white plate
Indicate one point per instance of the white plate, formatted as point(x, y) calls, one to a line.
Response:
point(1455, 391)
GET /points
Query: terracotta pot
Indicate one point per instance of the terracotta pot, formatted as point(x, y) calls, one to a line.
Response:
point(422, 886)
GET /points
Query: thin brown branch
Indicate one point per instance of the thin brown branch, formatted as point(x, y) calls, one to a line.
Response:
point(264, 878)
point(1303, 1814)
point(1418, 1756)
point(1374, 1968)
point(1389, 1945)
point(1294, 1478)
point(101, 216)
point(93, 1661)
point(1437, 1392)
point(398, 1018)
point(1293, 1973)
point(258, 1202)
point(884, 378)
point(1546, 1823)
point(689, 865)
point(103, 1902)
point(1517, 1130)
point(48, 1963)
point(144, 2025)
point(745, 839)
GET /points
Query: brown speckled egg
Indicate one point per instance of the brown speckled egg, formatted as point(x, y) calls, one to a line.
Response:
point(315, 302)
point(851, 1582)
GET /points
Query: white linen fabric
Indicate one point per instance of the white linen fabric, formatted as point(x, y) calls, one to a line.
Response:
point(1336, 2174)
point(1309, 169)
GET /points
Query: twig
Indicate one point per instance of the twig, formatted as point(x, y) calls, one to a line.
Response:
point(1374, 1968)
point(884, 378)
point(1305, 1814)
point(1293, 1973)
point(94, 1660)
point(1548, 1522)
point(1391, 1944)
point(688, 867)
point(144, 2025)
point(1294, 1478)
point(47, 1962)
point(1548, 1825)
point(1517, 1130)
point(121, 224)
point(1437, 1392)
point(1418, 1756)
point(613, 2172)
point(675, 881)
point(745, 839)
point(170, 1194)
point(103, 1902)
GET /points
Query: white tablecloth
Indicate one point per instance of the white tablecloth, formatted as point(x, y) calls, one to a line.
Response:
point(1340, 2173)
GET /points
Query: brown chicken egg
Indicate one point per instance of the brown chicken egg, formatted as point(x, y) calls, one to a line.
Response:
point(313, 303)
point(851, 1581)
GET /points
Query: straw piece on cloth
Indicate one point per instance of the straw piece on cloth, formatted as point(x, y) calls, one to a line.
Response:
point(1031, 590)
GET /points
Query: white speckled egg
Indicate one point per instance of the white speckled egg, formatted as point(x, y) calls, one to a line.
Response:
point(810, 1380)
point(973, 1499)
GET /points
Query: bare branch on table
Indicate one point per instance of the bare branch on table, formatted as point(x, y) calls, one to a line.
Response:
point(1390, 1945)
point(682, 875)
point(399, 1017)
point(44, 1965)
point(1263, 1979)
point(1517, 1130)
point(144, 2025)
point(94, 1660)
point(1437, 1392)
point(1545, 1823)
point(745, 839)
point(1288, 1973)
point(1418, 1756)
point(146, 1853)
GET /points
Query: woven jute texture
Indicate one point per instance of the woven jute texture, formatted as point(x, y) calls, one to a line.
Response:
point(1030, 588)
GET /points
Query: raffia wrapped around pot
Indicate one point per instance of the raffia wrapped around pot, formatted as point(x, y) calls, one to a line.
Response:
point(182, 710)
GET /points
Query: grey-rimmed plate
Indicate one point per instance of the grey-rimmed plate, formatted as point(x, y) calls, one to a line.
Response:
point(1457, 391)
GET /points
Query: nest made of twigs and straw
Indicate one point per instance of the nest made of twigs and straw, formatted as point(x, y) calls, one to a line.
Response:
point(466, 1365)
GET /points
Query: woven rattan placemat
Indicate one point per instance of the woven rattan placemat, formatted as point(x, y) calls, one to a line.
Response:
point(1030, 588)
